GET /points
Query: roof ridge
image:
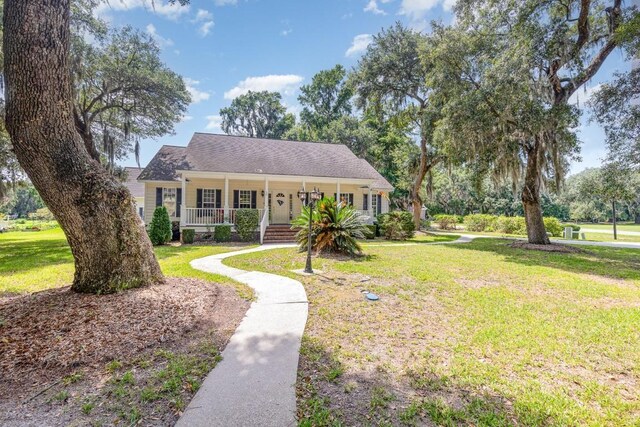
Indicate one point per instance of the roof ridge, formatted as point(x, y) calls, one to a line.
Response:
point(272, 139)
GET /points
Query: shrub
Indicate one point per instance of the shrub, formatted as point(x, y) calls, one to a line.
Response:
point(446, 222)
point(479, 222)
point(335, 228)
point(188, 235)
point(247, 221)
point(510, 225)
point(42, 214)
point(397, 225)
point(222, 233)
point(370, 231)
point(160, 227)
point(553, 226)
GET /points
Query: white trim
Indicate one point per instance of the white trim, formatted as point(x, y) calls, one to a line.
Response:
point(283, 178)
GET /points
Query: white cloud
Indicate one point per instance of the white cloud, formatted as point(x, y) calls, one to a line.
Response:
point(224, 2)
point(205, 28)
point(206, 19)
point(214, 123)
point(203, 15)
point(372, 7)
point(359, 44)
point(171, 11)
point(416, 9)
point(284, 84)
point(448, 5)
point(196, 94)
point(582, 96)
point(162, 42)
point(286, 32)
point(186, 118)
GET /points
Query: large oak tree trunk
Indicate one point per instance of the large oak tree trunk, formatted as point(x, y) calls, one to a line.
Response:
point(536, 231)
point(107, 238)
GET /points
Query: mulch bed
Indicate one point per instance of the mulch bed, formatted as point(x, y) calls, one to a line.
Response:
point(47, 335)
point(554, 247)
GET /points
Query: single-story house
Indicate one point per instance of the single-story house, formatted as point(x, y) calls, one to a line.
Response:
point(136, 188)
point(203, 184)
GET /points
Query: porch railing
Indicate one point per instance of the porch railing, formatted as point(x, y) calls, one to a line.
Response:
point(211, 216)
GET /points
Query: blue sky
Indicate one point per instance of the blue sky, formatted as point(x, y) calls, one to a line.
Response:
point(225, 47)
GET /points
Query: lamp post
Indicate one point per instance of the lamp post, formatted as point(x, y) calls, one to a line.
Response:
point(314, 196)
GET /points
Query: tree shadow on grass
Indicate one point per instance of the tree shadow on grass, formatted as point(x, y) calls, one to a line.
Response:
point(328, 395)
point(602, 261)
point(23, 255)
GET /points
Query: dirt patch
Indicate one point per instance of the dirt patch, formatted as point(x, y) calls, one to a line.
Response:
point(547, 248)
point(57, 338)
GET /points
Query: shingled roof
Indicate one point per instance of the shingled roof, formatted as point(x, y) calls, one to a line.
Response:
point(235, 154)
point(135, 187)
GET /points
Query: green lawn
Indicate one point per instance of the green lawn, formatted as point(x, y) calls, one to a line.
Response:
point(32, 261)
point(471, 334)
point(626, 226)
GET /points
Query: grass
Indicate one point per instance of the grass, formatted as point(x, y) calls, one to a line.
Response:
point(32, 261)
point(472, 334)
point(622, 226)
point(594, 237)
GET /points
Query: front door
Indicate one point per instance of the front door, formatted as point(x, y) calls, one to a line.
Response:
point(280, 208)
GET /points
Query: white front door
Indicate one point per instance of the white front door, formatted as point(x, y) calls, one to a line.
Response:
point(280, 207)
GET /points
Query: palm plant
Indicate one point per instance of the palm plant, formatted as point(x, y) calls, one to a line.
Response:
point(335, 227)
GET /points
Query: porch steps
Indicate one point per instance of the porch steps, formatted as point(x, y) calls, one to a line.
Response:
point(280, 234)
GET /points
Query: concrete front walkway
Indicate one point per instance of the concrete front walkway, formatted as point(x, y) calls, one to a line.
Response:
point(254, 384)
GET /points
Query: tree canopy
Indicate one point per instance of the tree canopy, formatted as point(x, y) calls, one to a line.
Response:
point(123, 93)
point(391, 79)
point(257, 115)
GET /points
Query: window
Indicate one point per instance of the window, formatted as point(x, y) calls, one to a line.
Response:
point(208, 198)
point(170, 200)
point(141, 212)
point(245, 199)
point(345, 198)
point(374, 203)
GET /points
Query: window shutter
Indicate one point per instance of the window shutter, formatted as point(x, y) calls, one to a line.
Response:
point(350, 199)
point(236, 199)
point(178, 201)
point(158, 196)
point(218, 199)
point(335, 197)
point(379, 206)
point(199, 198)
point(254, 199)
point(365, 202)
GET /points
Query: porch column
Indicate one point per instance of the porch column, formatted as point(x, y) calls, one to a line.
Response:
point(338, 192)
point(183, 203)
point(226, 199)
point(369, 205)
point(266, 197)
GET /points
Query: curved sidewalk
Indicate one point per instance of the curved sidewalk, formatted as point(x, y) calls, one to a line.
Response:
point(254, 384)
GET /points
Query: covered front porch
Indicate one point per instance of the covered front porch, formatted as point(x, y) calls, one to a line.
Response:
point(208, 199)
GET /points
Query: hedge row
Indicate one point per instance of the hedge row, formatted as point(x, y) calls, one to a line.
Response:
point(508, 224)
